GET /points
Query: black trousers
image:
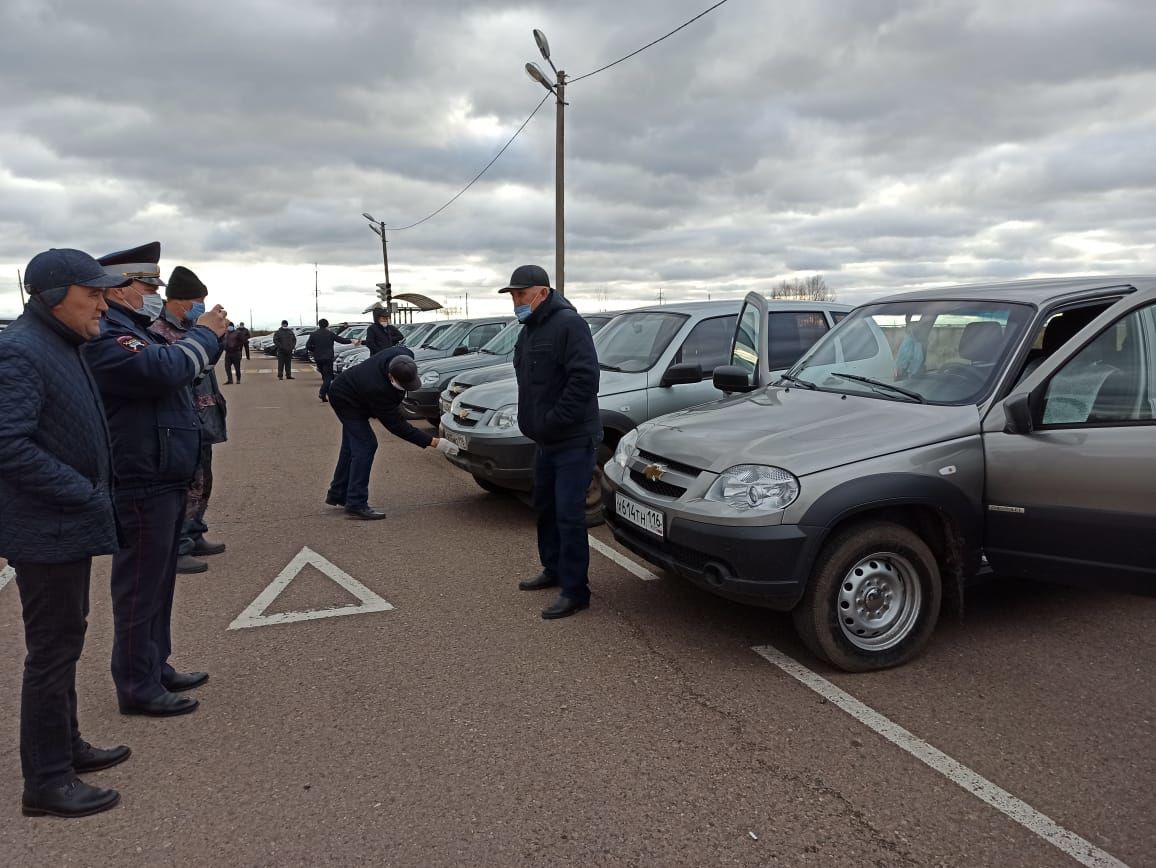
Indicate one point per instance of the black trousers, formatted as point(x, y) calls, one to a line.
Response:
point(325, 368)
point(54, 599)
point(284, 364)
point(232, 367)
point(144, 575)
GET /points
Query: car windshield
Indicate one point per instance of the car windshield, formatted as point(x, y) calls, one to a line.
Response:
point(446, 336)
point(633, 342)
point(934, 352)
point(503, 342)
point(596, 323)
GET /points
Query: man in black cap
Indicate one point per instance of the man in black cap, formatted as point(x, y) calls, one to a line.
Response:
point(56, 513)
point(557, 371)
point(375, 388)
point(146, 384)
point(381, 335)
point(285, 340)
point(320, 346)
point(185, 302)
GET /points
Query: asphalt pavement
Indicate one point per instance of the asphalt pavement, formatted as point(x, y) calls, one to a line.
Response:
point(400, 702)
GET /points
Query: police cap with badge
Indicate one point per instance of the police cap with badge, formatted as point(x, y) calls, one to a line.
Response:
point(136, 263)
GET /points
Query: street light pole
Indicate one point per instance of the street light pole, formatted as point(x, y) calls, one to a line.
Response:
point(316, 311)
point(558, 88)
point(378, 228)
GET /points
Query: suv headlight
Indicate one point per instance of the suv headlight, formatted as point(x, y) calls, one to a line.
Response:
point(506, 417)
point(430, 378)
point(624, 451)
point(754, 488)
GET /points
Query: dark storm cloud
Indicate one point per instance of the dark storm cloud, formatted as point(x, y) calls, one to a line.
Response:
point(881, 143)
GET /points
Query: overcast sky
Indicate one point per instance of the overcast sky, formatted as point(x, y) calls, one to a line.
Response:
point(880, 143)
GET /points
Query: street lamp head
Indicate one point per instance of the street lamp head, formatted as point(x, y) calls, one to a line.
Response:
point(368, 217)
point(535, 73)
point(375, 230)
point(543, 45)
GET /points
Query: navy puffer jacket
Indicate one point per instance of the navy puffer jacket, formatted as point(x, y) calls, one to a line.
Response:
point(55, 458)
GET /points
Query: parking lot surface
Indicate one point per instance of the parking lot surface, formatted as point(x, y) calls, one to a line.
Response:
point(455, 726)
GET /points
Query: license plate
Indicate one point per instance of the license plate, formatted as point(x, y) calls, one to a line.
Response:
point(459, 440)
point(642, 516)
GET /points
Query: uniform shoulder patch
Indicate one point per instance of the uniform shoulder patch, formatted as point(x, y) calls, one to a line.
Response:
point(131, 343)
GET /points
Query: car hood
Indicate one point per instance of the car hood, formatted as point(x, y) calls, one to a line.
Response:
point(502, 371)
point(801, 431)
point(453, 364)
point(504, 391)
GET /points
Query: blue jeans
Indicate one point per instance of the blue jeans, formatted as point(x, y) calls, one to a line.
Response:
point(350, 483)
point(560, 483)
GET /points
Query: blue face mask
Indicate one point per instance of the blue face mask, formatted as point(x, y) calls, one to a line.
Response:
point(522, 312)
point(195, 312)
point(151, 305)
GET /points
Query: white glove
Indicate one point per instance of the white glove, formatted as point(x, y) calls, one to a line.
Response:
point(447, 447)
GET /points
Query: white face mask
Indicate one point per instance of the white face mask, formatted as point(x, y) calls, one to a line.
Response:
point(151, 305)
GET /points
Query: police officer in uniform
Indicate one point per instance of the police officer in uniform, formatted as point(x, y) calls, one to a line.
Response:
point(145, 383)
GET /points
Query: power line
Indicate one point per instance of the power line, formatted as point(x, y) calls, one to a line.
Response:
point(479, 175)
point(649, 44)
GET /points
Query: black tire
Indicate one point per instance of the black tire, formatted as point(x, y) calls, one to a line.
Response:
point(594, 492)
point(873, 598)
point(486, 485)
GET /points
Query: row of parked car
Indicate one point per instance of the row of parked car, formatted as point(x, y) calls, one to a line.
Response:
point(855, 467)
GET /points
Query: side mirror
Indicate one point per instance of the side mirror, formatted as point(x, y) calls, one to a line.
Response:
point(731, 378)
point(683, 372)
point(461, 351)
point(1018, 410)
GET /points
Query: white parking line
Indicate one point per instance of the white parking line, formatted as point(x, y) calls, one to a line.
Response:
point(1082, 851)
point(623, 561)
point(6, 575)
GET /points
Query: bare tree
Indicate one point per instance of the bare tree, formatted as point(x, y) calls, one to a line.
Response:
point(812, 288)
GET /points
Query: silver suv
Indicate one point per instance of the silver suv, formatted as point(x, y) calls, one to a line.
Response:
point(653, 360)
point(930, 431)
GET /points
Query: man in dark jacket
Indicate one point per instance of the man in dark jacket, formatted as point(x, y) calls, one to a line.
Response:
point(375, 388)
point(285, 340)
point(184, 304)
point(381, 335)
point(56, 512)
point(557, 370)
point(146, 384)
point(244, 334)
point(236, 344)
point(320, 344)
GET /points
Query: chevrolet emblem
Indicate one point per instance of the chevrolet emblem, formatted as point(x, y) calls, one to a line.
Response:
point(463, 414)
point(654, 472)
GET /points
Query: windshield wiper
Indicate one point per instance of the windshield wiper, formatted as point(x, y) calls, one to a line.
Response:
point(607, 367)
point(891, 387)
point(806, 384)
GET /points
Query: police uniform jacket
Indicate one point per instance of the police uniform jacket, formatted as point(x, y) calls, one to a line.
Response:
point(146, 384)
point(207, 395)
point(557, 370)
point(364, 391)
point(55, 461)
point(379, 337)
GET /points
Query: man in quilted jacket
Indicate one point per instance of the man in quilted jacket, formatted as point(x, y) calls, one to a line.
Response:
point(56, 513)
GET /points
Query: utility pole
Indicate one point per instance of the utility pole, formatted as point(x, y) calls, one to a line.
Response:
point(558, 88)
point(384, 290)
point(316, 312)
point(20, 285)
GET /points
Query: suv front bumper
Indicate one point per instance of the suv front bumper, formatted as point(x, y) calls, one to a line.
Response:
point(765, 565)
point(506, 461)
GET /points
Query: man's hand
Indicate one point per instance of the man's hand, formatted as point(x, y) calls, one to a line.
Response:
point(215, 319)
point(443, 445)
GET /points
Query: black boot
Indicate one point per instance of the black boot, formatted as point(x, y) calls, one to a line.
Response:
point(73, 799)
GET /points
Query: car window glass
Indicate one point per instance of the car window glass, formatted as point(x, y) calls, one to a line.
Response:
point(449, 338)
point(791, 334)
point(1108, 381)
point(596, 323)
point(503, 342)
point(745, 352)
point(708, 343)
point(634, 341)
point(481, 335)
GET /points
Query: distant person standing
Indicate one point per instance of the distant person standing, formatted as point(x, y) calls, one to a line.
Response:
point(381, 335)
point(235, 344)
point(557, 371)
point(56, 500)
point(285, 340)
point(320, 344)
point(245, 335)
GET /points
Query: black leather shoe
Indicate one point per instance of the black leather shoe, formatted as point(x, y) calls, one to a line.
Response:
point(542, 580)
point(189, 564)
point(166, 705)
point(203, 548)
point(74, 799)
point(93, 759)
point(184, 681)
point(366, 512)
point(564, 607)
point(290, 378)
point(333, 501)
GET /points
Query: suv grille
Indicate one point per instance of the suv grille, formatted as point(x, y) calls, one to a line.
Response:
point(474, 416)
point(656, 486)
point(686, 469)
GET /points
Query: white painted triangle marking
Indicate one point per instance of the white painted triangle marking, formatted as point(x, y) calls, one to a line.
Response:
point(254, 615)
point(6, 575)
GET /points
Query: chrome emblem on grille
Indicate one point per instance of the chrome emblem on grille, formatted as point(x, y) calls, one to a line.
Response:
point(654, 472)
point(463, 414)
